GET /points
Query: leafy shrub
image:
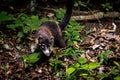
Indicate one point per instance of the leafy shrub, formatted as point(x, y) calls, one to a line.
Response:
point(30, 59)
point(106, 6)
point(4, 16)
point(59, 13)
point(56, 63)
point(103, 57)
point(23, 22)
point(72, 52)
point(82, 69)
point(72, 35)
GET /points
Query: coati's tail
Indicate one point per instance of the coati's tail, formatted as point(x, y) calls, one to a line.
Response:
point(65, 20)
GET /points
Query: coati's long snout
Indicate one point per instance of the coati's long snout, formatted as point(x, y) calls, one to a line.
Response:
point(50, 34)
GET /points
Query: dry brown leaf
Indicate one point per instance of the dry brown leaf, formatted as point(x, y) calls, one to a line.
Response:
point(50, 15)
point(92, 41)
point(94, 29)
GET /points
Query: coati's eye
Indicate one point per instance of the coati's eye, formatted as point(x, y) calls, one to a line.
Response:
point(42, 46)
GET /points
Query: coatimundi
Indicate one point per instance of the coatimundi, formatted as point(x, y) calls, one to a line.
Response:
point(50, 34)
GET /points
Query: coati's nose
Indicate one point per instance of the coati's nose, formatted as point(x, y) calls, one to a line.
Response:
point(46, 52)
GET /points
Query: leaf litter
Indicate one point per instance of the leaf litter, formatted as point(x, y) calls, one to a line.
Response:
point(97, 41)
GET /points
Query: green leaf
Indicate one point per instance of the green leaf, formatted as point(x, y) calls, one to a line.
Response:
point(84, 74)
point(76, 65)
point(73, 22)
point(93, 65)
point(4, 16)
point(26, 28)
point(70, 70)
point(75, 42)
point(82, 60)
point(25, 57)
point(76, 4)
point(35, 17)
point(85, 66)
point(18, 23)
point(113, 71)
point(67, 51)
point(116, 63)
point(117, 78)
point(59, 13)
point(90, 66)
point(75, 33)
point(102, 75)
point(78, 27)
point(20, 34)
point(70, 43)
point(33, 57)
point(22, 17)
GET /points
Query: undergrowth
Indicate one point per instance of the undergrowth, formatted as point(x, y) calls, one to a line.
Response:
point(80, 67)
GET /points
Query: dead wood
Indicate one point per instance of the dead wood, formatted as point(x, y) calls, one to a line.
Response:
point(97, 15)
point(88, 15)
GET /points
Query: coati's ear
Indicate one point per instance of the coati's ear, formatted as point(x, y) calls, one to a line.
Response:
point(36, 41)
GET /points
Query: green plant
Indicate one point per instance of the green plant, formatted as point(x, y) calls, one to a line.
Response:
point(115, 71)
point(59, 13)
point(56, 63)
point(4, 16)
point(82, 69)
point(106, 6)
point(80, 3)
point(72, 52)
point(30, 59)
point(102, 75)
point(24, 23)
point(103, 57)
point(72, 35)
point(117, 78)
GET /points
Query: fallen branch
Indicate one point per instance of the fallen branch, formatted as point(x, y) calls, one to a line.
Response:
point(98, 15)
point(86, 15)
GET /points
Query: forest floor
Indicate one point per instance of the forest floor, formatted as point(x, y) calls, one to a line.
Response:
point(103, 36)
point(12, 65)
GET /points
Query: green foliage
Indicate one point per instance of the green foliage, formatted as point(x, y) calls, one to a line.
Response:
point(83, 69)
point(70, 70)
point(117, 78)
point(87, 70)
point(80, 3)
point(72, 52)
point(4, 16)
point(117, 64)
point(56, 63)
point(59, 13)
point(72, 33)
point(103, 57)
point(113, 71)
point(102, 75)
point(20, 34)
point(106, 6)
point(30, 59)
point(23, 22)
